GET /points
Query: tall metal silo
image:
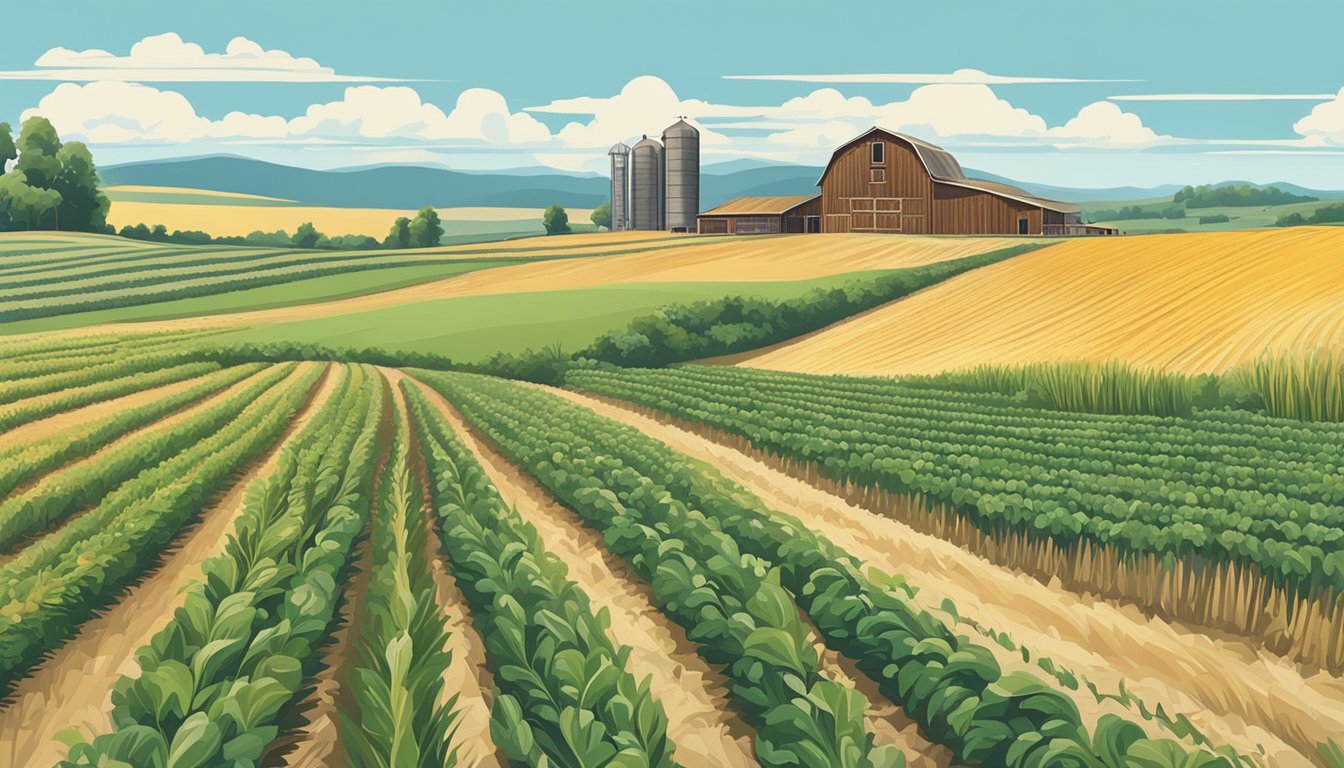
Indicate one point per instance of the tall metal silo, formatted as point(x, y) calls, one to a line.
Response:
point(620, 180)
point(681, 161)
point(646, 185)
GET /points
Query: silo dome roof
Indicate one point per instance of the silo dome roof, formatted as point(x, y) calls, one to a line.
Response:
point(619, 149)
point(647, 142)
point(681, 128)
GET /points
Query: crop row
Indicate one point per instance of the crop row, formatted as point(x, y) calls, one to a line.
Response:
point(54, 584)
point(1226, 518)
point(61, 494)
point(951, 686)
point(1172, 486)
point(402, 714)
point(565, 698)
point(94, 381)
point(23, 462)
point(729, 601)
point(214, 682)
point(57, 401)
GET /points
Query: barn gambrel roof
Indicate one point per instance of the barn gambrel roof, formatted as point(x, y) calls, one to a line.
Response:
point(943, 168)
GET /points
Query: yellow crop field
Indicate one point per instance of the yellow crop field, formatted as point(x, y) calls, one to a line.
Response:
point(799, 257)
point(698, 260)
point(227, 220)
point(1191, 303)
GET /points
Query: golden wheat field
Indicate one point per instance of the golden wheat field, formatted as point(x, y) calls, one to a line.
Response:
point(1191, 303)
point(240, 218)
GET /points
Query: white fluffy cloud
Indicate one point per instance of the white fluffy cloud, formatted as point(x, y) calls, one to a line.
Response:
point(1103, 124)
point(119, 113)
point(1325, 123)
point(959, 110)
point(168, 58)
point(645, 105)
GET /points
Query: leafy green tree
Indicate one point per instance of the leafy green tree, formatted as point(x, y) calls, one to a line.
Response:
point(307, 236)
point(38, 148)
point(24, 203)
point(7, 149)
point(83, 206)
point(400, 236)
point(426, 230)
point(601, 216)
point(555, 220)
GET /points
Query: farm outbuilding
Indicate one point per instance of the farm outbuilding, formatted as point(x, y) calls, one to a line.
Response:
point(763, 215)
point(883, 181)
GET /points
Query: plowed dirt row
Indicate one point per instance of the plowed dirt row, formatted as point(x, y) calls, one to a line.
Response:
point(73, 687)
point(1234, 695)
point(468, 677)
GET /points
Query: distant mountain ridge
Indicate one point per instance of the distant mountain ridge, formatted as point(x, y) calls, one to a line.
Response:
point(406, 186)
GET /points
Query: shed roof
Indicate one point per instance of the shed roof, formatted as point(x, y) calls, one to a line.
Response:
point(1012, 193)
point(943, 167)
point(764, 206)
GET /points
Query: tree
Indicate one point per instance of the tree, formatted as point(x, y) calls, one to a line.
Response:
point(83, 206)
point(400, 236)
point(7, 149)
point(24, 203)
point(307, 236)
point(555, 220)
point(426, 230)
point(38, 147)
point(601, 216)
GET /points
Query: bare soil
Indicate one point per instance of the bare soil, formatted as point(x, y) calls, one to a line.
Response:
point(1254, 701)
point(73, 687)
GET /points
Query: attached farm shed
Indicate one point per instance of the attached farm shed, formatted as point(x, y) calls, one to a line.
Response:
point(883, 181)
point(763, 215)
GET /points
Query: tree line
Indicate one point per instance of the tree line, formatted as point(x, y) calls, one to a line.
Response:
point(51, 185)
point(423, 231)
point(1326, 214)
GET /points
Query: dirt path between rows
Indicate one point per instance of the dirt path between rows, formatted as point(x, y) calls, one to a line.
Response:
point(73, 687)
point(1248, 700)
point(42, 428)
point(701, 720)
point(468, 676)
point(318, 742)
point(36, 487)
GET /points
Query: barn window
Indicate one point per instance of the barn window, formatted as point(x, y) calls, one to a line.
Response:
point(877, 175)
point(1023, 226)
point(879, 152)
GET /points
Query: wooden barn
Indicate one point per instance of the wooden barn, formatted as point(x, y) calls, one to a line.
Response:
point(763, 216)
point(883, 181)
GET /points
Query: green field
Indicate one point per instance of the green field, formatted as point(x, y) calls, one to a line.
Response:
point(327, 288)
point(1240, 217)
point(472, 328)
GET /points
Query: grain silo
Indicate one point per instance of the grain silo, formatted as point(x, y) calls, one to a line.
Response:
point(681, 163)
point(620, 179)
point(646, 185)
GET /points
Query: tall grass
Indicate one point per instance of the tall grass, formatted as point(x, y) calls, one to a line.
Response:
point(1307, 387)
point(1110, 387)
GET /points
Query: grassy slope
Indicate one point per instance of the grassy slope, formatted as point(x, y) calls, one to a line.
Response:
point(472, 328)
point(1246, 217)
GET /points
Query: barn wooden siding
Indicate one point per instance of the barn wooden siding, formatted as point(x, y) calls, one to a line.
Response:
point(961, 211)
point(897, 200)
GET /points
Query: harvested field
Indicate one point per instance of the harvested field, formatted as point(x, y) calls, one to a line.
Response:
point(1190, 303)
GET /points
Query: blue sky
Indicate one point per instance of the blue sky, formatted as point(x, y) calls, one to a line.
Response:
point(1043, 92)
